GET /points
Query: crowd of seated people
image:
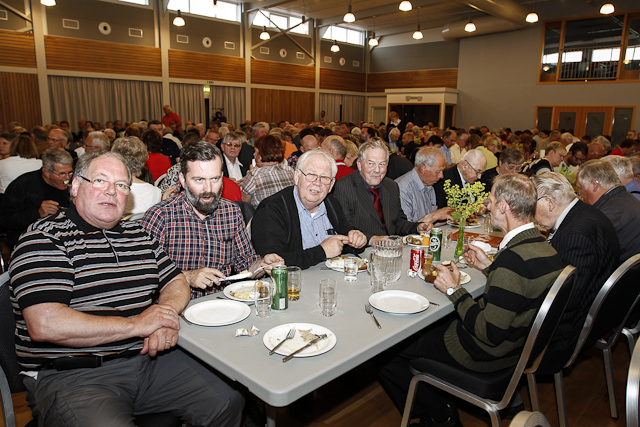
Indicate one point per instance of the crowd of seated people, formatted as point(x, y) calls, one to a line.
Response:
point(326, 188)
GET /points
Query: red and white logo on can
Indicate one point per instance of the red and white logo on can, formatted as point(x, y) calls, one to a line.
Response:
point(417, 258)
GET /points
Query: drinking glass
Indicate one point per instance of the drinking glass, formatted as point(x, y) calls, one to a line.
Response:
point(294, 283)
point(377, 285)
point(263, 292)
point(386, 259)
point(328, 298)
point(446, 239)
point(351, 266)
point(488, 225)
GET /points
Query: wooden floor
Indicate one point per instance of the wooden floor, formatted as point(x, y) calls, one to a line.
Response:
point(356, 399)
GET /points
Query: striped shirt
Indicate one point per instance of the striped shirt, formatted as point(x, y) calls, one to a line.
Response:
point(63, 259)
point(262, 182)
point(219, 241)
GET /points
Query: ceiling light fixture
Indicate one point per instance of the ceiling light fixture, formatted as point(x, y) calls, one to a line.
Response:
point(470, 27)
point(335, 47)
point(373, 41)
point(405, 6)
point(532, 17)
point(264, 35)
point(418, 34)
point(48, 2)
point(178, 21)
point(607, 9)
point(349, 17)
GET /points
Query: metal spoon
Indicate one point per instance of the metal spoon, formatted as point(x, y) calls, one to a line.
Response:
point(291, 334)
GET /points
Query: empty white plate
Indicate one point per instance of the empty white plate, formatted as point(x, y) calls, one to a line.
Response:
point(399, 302)
point(217, 312)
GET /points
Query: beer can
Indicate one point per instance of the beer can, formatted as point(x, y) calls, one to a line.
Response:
point(280, 300)
point(435, 243)
point(417, 258)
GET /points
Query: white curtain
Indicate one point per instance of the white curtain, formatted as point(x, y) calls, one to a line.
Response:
point(73, 98)
point(352, 107)
point(187, 101)
point(230, 102)
point(330, 104)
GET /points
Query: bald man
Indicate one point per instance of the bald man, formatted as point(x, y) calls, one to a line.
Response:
point(468, 171)
point(308, 143)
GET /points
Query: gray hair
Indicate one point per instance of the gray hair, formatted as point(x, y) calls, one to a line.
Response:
point(519, 193)
point(63, 133)
point(370, 145)
point(302, 161)
point(133, 151)
point(100, 138)
point(475, 156)
point(223, 131)
point(621, 165)
point(600, 139)
point(110, 132)
point(599, 171)
point(394, 131)
point(428, 156)
point(556, 186)
point(84, 162)
point(635, 164)
point(233, 136)
point(56, 155)
point(337, 145)
point(263, 125)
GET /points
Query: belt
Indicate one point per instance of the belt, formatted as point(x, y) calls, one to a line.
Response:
point(88, 361)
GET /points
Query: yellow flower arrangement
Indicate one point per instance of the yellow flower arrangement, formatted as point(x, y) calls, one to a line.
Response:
point(460, 201)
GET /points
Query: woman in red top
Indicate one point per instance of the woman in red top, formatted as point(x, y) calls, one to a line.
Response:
point(158, 163)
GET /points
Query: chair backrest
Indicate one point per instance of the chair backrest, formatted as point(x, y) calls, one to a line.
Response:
point(633, 390)
point(8, 359)
point(543, 327)
point(530, 419)
point(612, 306)
point(247, 209)
point(160, 179)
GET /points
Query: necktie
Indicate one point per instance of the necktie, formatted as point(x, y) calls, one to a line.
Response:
point(377, 204)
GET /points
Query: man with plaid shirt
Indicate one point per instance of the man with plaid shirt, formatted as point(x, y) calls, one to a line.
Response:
point(201, 232)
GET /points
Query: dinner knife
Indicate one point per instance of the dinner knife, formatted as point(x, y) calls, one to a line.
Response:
point(307, 345)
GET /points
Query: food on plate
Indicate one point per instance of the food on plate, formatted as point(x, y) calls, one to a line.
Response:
point(469, 221)
point(421, 240)
point(429, 273)
point(338, 263)
point(244, 294)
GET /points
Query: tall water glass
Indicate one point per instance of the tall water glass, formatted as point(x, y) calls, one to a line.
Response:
point(328, 297)
point(263, 292)
point(386, 260)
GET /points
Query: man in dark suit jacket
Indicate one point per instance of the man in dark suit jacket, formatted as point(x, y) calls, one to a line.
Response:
point(303, 223)
point(374, 214)
point(469, 170)
point(585, 238)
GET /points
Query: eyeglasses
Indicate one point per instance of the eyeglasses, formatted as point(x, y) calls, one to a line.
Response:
point(61, 174)
point(513, 168)
point(312, 177)
point(57, 140)
point(474, 169)
point(103, 184)
point(235, 144)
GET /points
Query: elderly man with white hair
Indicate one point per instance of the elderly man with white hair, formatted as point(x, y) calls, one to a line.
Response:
point(394, 136)
point(599, 185)
point(624, 170)
point(584, 238)
point(468, 171)
point(304, 224)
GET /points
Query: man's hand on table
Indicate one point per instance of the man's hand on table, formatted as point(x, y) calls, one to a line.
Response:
point(203, 277)
point(447, 278)
point(424, 227)
point(357, 239)
point(475, 256)
point(439, 215)
point(333, 245)
point(267, 262)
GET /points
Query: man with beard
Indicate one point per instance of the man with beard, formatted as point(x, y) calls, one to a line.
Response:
point(201, 232)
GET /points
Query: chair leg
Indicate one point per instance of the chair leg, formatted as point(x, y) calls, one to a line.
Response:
point(611, 383)
point(411, 395)
point(495, 418)
point(631, 339)
point(533, 392)
point(562, 410)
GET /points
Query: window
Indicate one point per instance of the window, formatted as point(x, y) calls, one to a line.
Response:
point(142, 2)
point(224, 10)
point(344, 35)
point(268, 19)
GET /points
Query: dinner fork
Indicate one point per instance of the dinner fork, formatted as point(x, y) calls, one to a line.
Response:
point(368, 309)
point(291, 334)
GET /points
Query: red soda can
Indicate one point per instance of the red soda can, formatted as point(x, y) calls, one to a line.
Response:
point(417, 258)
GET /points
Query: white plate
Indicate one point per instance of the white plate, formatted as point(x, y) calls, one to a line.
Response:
point(399, 302)
point(277, 334)
point(464, 277)
point(337, 264)
point(453, 224)
point(404, 240)
point(245, 286)
point(217, 312)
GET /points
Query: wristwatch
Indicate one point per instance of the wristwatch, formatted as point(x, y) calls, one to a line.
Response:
point(452, 290)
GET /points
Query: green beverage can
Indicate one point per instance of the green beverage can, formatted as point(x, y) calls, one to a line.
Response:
point(435, 243)
point(280, 300)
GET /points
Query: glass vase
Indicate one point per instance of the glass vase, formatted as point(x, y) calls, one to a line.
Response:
point(460, 245)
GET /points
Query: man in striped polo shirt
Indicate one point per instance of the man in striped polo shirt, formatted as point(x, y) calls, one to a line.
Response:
point(488, 334)
point(95, 347)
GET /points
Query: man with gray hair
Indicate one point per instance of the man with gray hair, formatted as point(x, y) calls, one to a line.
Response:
point(468, 171)
point(599, 185)
point(59, 138)
point(417, 196)
point(336, 147)
point(36, 194)
point(624, 170)
point(394, 136)
point(259, 129)
point(304, 224)
point(584, 238)
point(96, 142)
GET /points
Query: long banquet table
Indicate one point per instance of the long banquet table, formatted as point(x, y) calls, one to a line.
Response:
point(246, 359)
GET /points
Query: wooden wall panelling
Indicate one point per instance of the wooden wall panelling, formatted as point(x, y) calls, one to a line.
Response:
point(378, 82)
point(342, 80)
point(19, 100)
point(279, 74)
point(65, 53)
point(205, 66)
point(271, 105)
point(17, 49)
